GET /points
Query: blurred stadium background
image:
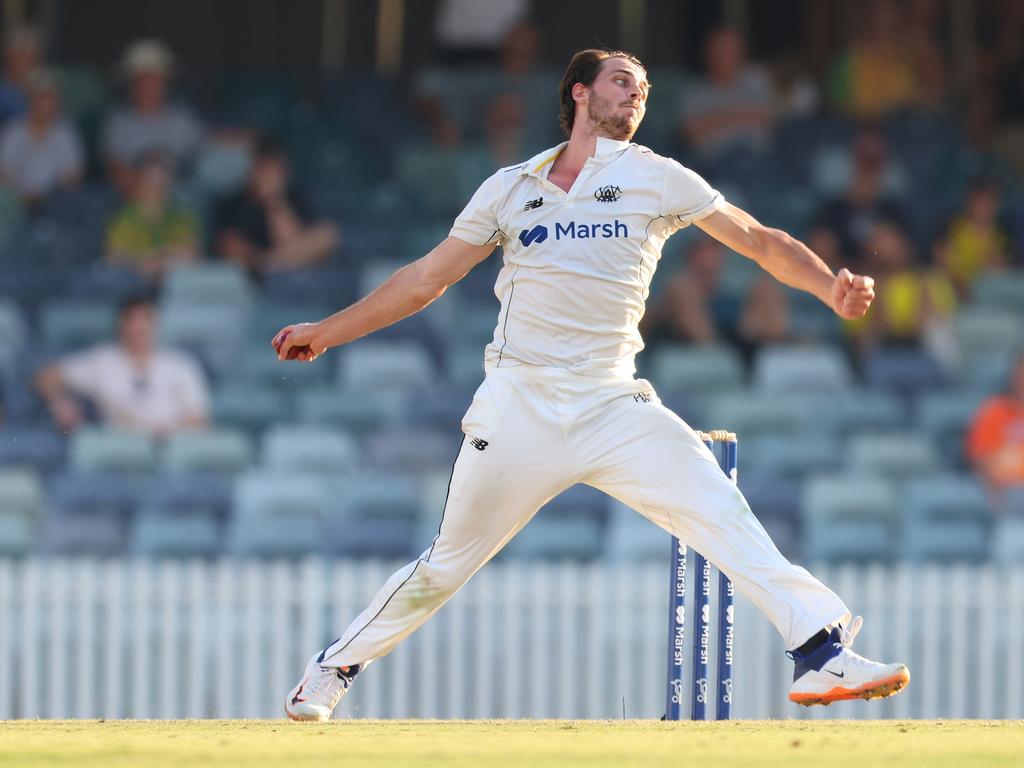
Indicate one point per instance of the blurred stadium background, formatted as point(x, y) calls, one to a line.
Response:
point(202, 520)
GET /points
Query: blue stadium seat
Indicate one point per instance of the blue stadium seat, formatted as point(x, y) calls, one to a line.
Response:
point(947, 517)
point(310, 449)
point(545, 538)
point(208, 285)
point(96, 534)
point(189, 326)
point(1002, 291)
point(892, 455)
point(194, 493)
point(21, 506)
point(379, 365)
point(408, 449)
point(905, 373)
point(632, 537)
point(850, 412)
point(983, 331)
point(17, 533)
point(696, 370)
point(13, 326)
point(850, 518)
point(945, 418)
point(225, 451)
point(802, 369)
point(109, 284)
point(250, 408)
point(354, 412)
point(262, 494)
point(276, 537)
point(331, 286)
point(157, 535)
point(258, 366)
point(74, 494)
point(1008, 540)
point(221, 167)
point(794, 455)
point(271, 315)
point(374, 537)
point(40, 448)
point(752, 412)
point(71, 323)
point(96, 449)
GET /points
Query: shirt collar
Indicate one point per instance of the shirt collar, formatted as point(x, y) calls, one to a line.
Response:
point(539, 165)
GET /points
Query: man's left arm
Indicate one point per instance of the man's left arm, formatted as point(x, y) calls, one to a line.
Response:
point(789, 261)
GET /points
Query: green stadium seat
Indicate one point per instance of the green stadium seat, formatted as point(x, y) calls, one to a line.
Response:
point(893, 455)
point(70, 324)
point(946, 517)
point(850, 518)
point(101, 450)
point(219, 451)
point(696, 370)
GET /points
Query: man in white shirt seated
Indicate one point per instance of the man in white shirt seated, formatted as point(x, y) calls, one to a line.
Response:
point(134, 384)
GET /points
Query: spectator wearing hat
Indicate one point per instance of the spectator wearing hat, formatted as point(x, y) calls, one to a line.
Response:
point(151, 233)
point(22, 48)
point(40, 152)
point(148, 121)
point(270, 225)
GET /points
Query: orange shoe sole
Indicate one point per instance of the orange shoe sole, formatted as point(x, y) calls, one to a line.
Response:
point(878, 689)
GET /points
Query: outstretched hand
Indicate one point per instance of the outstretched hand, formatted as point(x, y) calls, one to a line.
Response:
point(298, 342)
point(852, 294)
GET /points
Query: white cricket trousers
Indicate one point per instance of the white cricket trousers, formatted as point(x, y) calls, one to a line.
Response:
point(533, 432)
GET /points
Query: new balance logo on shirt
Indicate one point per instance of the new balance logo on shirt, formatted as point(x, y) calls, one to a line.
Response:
point(479, 444)
point(531, 204)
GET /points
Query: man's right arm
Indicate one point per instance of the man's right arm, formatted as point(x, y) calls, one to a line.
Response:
point(406, 292)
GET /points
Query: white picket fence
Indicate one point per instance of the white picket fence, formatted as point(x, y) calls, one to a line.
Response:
point(167, 640)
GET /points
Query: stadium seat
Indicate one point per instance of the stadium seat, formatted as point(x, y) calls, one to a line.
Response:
point(221, 167)
point(110, 284)
point(354, 412)
point(310, 449)
point(17, 533)
point(96, 449)
point(20, 492)
point(465, 366)
point(269, 316)
point(276, 537)
point(13, 327)
point(377, 365)
point(257, 365)
point(250, 408)
point(73, 494)
point(982, 331)
point(157, 535)
point(905, 373)
point(39, 448)
point(775, 501)
point(331, 286)
point(95, 534)
point(195, 493)
point(189, 326)
point(71, 324)
point(207, 285)
point(946, 517)
point(1003, 291)
point(850, 518)
point(632, 537)
point(1008, 540)
point(263, 494)
point(696, 370)
point(751, 412)
point(569, 538)
point(793, 455)
point(892, 455)
point(373, 537)
point(225, 451)
point(802, 369)
point(945, 417)
point(407, 449)
point(850, 412)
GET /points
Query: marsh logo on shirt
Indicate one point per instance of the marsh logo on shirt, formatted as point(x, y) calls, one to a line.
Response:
point(536, 235)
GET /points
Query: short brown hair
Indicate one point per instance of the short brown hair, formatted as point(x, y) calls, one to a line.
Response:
point(584, 68)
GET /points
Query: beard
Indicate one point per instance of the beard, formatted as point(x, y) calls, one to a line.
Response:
point(605, 123)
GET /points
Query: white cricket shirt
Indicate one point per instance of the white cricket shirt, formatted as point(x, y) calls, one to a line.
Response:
point(578, 265)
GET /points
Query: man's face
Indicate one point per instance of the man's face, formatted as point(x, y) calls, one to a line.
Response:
point(149, 88)
point(43, 106)
point(617, 100)
point(138, 328)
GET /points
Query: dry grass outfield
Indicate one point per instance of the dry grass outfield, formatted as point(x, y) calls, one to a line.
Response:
point(520, 743)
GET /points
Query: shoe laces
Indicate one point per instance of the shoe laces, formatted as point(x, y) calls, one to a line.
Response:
point(847, 634)
point(331, 684)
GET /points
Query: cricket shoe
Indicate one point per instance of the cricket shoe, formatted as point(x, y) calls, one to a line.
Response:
point(833, 672)
point(320, 690)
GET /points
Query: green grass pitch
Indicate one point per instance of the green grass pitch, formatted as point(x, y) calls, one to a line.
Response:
point(499, 743)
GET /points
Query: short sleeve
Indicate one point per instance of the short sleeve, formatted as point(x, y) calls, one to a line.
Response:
point(687, 195)
point(478, 223)
point(81, 371)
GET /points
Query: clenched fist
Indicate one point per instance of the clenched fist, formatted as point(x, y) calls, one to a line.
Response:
point(299, 342)
point(852, 294)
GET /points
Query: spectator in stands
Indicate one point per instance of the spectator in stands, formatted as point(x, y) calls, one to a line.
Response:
point(977, 240)
point(879, 71)
point(134, 384)
point(269, 225)
point(692, 305)
point(734, 106)
point(151, 233)
point(850, 219)
point(22, 49)
point(40, 152)
point(995, 439)
point(471, 31)
point(913, 306)
point(149, 121)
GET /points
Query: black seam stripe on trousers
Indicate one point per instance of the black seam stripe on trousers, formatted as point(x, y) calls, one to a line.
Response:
point(415, 567)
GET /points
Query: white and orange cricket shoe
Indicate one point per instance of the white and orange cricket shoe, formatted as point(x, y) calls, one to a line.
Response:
point(833, 672)
point(320, 690)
